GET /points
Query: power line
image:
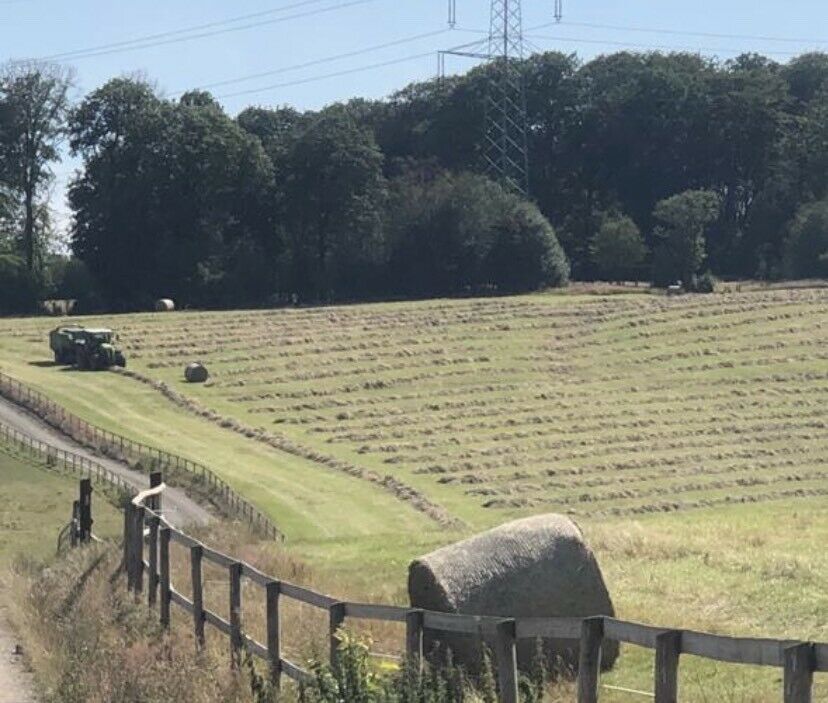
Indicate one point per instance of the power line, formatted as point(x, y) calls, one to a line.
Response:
point(184, 30)
point(336, 74)
point(91, 53)
point(317, 62)
point(655, 47)
point(681, 32)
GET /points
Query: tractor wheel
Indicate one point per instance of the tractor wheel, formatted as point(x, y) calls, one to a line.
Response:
point(58, 358)
point(120, 359)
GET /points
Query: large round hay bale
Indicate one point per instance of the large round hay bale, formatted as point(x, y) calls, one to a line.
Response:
point(534, 567)
point(164, 305)
point(196, 373)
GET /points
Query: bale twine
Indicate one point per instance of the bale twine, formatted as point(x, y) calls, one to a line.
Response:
point(164, 305)
point(534, 567)
point(196, 373)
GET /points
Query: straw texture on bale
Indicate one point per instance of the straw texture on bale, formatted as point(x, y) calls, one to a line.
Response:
point(534, 567)
point(164, 305)
point(196, 373)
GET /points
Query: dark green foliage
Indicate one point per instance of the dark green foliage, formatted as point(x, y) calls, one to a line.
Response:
point(169, 194)
point(806, 249)
point(33, 105)
point(375, 198)
point(19, 288)
point(680, 235)
point(618, 249)
point(334, 193)
point(353, 678)
point(451, 234)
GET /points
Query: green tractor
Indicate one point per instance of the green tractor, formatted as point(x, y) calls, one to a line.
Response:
point(86, 349)
point(95, 351)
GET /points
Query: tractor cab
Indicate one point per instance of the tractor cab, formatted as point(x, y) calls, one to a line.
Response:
point(95, 351)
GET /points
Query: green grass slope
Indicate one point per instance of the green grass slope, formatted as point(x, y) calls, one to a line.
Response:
point(35, 506)
point(686, 435)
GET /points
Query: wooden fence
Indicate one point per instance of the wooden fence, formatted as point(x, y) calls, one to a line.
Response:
point(109, 442)
point(146, 528)
point(147, 539)
point(62, 460)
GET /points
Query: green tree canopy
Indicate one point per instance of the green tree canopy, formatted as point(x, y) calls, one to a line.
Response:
point(34, 101)
point(618, 249)
point(680, 234)
point(806, 250)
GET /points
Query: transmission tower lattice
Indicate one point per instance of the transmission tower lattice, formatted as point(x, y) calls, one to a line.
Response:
point(506, 148)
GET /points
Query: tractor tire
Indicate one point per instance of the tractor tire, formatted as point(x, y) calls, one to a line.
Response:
point(120, 359)
point(58, 358)
point(81, 360)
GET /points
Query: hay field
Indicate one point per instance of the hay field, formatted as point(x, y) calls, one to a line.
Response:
point(601, 407)
point(686, 435)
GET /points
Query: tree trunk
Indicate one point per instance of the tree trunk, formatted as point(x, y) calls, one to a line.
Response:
point(29, 228)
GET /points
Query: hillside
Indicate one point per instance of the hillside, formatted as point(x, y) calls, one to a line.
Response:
point(598, 407)
point(686, 435)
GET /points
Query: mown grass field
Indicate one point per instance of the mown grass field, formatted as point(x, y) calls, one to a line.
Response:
point(686, 435)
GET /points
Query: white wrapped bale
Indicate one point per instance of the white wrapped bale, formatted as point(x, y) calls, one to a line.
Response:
point(196, 373)
point(164, 305)
point(534, 567)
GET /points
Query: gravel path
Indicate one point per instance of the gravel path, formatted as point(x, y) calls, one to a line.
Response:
point(179, 509)
point(16, 685)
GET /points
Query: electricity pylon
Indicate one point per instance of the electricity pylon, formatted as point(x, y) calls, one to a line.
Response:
point(506, 147)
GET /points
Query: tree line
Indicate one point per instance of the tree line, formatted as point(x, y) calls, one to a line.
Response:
point(659, 167)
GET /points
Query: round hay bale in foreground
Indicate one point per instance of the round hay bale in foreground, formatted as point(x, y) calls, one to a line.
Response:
point(196, 373)
point(534, 567)
point(164, 305)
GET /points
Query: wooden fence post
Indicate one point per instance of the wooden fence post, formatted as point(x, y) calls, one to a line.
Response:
point(274, 637)
point(85, 510)
point(668, 649)
point(152, 576)
point(138, 548)
point(506, 654)
point(589, 662)
point(336, 618)
point(164, 553)
point(156, 479)
point(799, 673)
point(414, 621)
point(73, 533)
point(196, 556)
point(128, 544)
point(235, 615)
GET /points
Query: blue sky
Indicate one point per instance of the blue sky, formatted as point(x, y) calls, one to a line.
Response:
point(281, 39)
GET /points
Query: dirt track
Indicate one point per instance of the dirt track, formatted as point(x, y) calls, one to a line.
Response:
point(179, 509)
point(15, 682)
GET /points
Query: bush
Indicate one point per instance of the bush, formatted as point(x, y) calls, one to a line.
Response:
point(19, 289)
point(354, 679)
point(618, 248)
point(525, 254)
point(450, 234)
point(806, 249)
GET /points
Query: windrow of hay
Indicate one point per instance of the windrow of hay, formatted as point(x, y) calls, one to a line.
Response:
point(392, 484)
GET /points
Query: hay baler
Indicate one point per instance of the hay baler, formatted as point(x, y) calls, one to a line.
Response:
point(62, 342)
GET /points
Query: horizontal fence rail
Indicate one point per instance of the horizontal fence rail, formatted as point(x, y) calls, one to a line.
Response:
point(60, 459)
point(120, 446)
point(798, 660)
